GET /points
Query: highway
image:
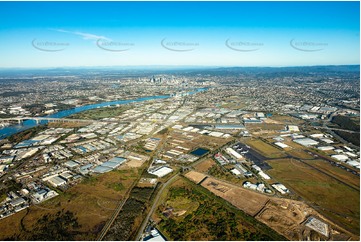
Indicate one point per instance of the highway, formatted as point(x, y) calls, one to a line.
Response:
point(344, 130)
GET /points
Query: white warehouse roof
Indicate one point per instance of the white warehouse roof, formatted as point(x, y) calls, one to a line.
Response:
point(340, 157)
point(282, 145)
point(56, 181)
point(306, 141)
point(326, 148)
point(162, 171)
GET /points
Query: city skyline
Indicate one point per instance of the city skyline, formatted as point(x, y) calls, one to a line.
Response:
point(86, 34)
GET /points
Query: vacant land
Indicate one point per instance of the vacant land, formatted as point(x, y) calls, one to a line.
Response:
point(246, 200)
point(91, 202)
point(100, 113)
point(266, 126)
point(190, 212)
point(265, 149)
point(194, 176)
point(285, 216)
point(347, 122)
point(66, 124)
point(128, 220)
point(134, 163)
point(350, 123)
point(300, 154)
point(224, 174)
point(26, 134)
point(205, 165)
point(337, 172)
point(331, 198)
point(354, 138)
point(286, 119)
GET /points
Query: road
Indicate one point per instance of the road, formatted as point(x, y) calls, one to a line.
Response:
point(156, 199)
point(154, 206)
point(337, 129)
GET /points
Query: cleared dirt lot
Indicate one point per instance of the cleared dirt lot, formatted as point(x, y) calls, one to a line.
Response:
point(249, 202)
point(205, 165)
point(288, 217)
point(340, 203)
point(135, 160)
point(194, 176)
point(285, 216)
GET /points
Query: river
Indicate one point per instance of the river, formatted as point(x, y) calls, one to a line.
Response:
point(13, 129)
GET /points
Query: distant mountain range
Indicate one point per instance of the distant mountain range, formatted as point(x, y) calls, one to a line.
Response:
point(159, 69)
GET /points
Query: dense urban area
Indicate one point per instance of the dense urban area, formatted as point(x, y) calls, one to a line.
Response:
point(185, 154)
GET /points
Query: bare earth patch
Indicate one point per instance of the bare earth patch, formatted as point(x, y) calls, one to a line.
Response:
point(205, 165)
point(249, 202)
point(194, 176)
point(285, 216)
point(135, 160)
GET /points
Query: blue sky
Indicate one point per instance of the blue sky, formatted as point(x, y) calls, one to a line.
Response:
point(59, 34)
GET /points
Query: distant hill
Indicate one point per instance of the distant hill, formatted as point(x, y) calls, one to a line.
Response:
point(349, 123)
point(188, 70)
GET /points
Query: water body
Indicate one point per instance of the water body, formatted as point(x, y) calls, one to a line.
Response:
point(13, 129)
point(199, 152)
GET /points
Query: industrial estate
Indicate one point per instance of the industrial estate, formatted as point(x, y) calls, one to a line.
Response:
point(200, 154)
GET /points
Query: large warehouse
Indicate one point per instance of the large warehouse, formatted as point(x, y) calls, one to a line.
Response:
point(306, 142)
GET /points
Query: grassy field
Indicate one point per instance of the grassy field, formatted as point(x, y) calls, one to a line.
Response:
point(300, 154)
point(100, 113)
point(205, 165)
point(209, 217)
point(336, 171)
point(265, 149)
point(265, 126)
point(66, 125)
point(217, 171)
point(26, 134)
point(91, 202)
point(286, 119)
point(289, 142)
point(331, 198)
